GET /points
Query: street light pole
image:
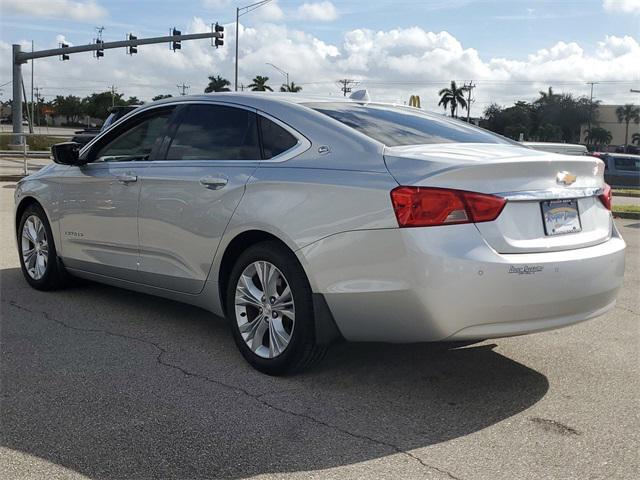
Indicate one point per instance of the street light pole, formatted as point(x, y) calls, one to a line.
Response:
point(240, 11)
point(237, 37)
point(286, 74)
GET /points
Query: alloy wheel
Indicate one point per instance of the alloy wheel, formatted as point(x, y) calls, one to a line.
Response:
point(265, 309)
point(34, 247)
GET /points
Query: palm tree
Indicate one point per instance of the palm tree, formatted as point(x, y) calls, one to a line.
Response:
point(599, 136)
point(452, 97)
point(290, 87)
point(546, 97)
point(260, 84)
point(635, 138)
point(628, 113)
point(217, 84)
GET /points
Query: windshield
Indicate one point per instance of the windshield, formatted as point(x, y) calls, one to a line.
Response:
point(110, 119)
point(394, 126)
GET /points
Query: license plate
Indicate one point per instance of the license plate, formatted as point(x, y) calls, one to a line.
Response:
point(561, 216)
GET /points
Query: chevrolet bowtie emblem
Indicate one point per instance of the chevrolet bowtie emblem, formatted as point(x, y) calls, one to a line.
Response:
point(565, 178)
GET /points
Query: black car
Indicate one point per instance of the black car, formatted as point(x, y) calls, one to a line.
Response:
point(115, 113)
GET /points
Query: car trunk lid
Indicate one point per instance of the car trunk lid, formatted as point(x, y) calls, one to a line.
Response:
point(526, 177)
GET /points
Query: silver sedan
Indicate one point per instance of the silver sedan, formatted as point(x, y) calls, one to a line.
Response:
point(304, 220)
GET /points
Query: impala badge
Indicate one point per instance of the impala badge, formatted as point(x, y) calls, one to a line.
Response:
point(565, 178)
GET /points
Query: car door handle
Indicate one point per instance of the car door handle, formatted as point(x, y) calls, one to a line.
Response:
point(127, 178)
point(213, 183)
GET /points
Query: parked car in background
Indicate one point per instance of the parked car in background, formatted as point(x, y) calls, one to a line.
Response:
point(306, 219)
point(621, 169)
point(564, 148)
point(115, 113)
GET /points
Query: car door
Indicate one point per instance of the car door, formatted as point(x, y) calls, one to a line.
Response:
point(99, 204)
point(188, 197)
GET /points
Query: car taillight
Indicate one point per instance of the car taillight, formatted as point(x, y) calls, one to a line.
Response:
point(428, 207)
point(605, 196)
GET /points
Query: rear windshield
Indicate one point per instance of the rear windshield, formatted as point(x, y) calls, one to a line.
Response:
point(395, 126)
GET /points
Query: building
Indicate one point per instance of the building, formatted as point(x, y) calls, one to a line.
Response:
point(606, 118)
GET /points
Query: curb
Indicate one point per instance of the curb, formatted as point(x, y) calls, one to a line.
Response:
point(11, 178)
point(631, 215)
point(627, 194)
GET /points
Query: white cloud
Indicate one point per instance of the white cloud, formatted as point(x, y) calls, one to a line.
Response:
point(320, 11)
point(622, 6)
point(77, 10)
point(392, 64)
point(270, 12)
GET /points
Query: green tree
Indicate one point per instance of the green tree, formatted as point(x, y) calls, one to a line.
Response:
point(510, 121)
point(98, 104)
point(452, 97)
point(133, 101)
point(563, 110)
point(217, 84)
point(260, 84)
point(628, 113)
point(549, 132)
point(290, 87)
point(160, 97)
point(70, 107)
point(598, 136)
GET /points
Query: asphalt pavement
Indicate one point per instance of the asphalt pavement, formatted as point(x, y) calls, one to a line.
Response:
point(102, 383)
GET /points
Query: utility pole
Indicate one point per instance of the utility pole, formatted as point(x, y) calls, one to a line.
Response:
point(38, 96)
point(184, 88)
point(20, 58)
point(346, 85)
point(469, 87)
point(32, 107)
point(114, 89)
point(591, 103)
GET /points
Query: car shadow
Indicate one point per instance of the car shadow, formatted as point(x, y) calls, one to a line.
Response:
point(114, 384)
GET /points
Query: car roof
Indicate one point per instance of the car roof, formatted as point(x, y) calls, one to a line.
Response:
point(250, 97)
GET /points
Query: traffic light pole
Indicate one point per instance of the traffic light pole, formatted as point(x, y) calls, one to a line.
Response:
point(20, 57)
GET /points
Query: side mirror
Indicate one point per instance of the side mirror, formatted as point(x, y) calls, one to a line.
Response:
point(67, 153)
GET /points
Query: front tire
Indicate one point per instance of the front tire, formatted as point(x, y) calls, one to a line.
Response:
point(270, 309)
point(37, 251)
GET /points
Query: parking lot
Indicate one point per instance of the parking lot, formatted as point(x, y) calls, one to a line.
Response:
point(102, 383)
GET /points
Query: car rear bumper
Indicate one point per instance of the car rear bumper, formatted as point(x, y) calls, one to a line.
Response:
point(446, 283)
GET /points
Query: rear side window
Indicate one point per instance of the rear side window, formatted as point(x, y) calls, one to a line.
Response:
point(627, 164)
point(394, 126)
point(215, 132)
point(275, 139)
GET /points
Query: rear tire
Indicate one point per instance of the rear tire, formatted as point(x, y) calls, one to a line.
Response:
point(39, 260)
point(273, 327)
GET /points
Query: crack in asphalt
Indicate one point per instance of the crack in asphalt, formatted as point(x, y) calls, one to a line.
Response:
point(554, 426)
point(259, 398)
point(627, 310)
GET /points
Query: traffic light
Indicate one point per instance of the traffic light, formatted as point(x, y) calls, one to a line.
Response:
point(64, 56)
point(176, 44)
point(132, 48)
point(219, 41)
point(99, 51)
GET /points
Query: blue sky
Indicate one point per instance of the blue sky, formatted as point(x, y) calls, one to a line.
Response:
point(392, 45)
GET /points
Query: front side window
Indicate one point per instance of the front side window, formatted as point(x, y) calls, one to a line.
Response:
point(215, 132)
point(137, 141)
point(627, 164)
point(275, 139)
point(394, 126)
